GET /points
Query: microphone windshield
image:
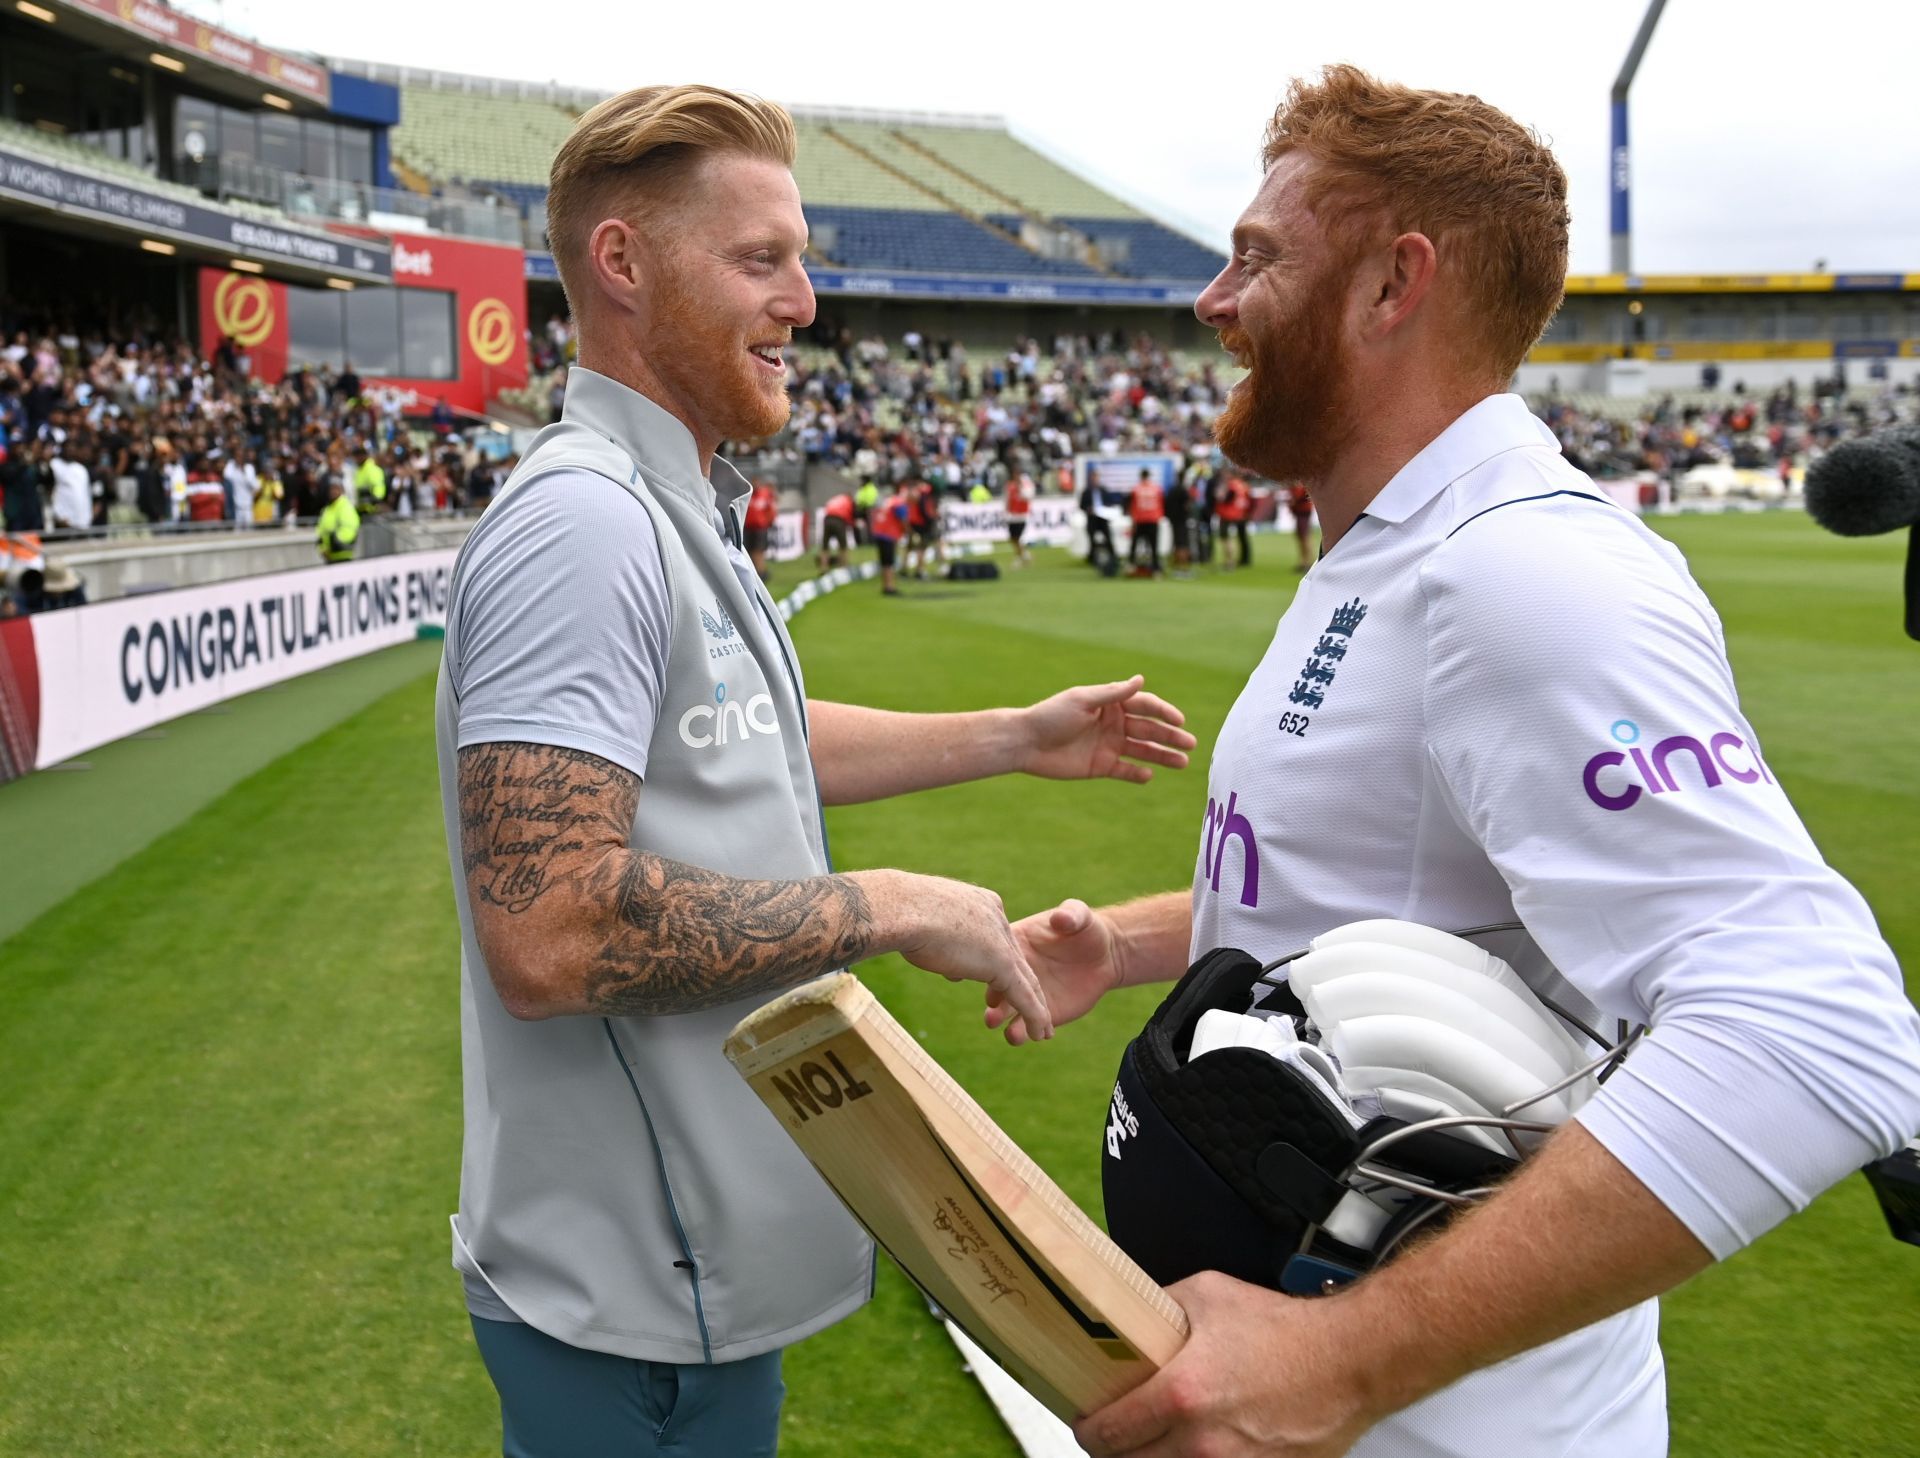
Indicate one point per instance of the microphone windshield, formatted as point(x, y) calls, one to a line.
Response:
point(1864, 487)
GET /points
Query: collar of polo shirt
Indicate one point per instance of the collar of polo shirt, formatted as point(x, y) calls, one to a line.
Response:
point(1498, 424)
point(658, 442)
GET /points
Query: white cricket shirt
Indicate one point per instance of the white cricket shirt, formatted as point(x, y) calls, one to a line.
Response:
point(1501, 697)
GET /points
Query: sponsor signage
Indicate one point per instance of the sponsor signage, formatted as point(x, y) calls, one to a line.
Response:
point(98, 673)
point(82, 195)
point(1740, 283)
point(787, 540)
point(1050, 522)
point(1010, 290)
point(489, 317)
point(250, 310)
point(195, 37)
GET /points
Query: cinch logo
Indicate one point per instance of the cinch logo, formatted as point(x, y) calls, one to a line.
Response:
point(724, 720)
point(1121, 1122)
point(1225, 822)
point(1654, 766)
point(724, 632)
point(418, 262)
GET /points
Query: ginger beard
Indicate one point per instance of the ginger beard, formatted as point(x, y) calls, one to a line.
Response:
point(709, 359)
point(1292, 415)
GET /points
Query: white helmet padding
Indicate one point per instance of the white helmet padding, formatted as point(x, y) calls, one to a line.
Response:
point(1454, 1012)
point(1294, 1136)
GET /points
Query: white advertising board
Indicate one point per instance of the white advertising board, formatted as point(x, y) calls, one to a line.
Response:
point(114, 668)
point(1049, 521)
point(788, 539)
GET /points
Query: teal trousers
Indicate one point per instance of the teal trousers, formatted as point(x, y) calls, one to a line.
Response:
point(558, 1401)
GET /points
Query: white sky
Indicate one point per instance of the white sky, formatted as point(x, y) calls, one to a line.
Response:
point(1767, 133)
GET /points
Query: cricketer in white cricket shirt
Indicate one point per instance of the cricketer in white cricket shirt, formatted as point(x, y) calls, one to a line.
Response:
point(1496, 697)
point(1502, 697)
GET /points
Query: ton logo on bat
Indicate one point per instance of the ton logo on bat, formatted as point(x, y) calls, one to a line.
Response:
point(810, 1086)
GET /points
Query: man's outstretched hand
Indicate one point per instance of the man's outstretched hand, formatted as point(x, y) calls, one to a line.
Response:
point(1262, 1376)
point(1075, 955)
point(1102, 731)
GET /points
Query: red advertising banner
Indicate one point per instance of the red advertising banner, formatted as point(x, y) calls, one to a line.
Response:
point(486, 288)
point(184, 33)
point(249, 310)
point(489, 287)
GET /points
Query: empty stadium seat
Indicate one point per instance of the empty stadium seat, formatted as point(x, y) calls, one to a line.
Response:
point(927, 242)
point(1148, 249)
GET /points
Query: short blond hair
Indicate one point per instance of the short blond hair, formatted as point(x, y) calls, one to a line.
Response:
point(638, 147)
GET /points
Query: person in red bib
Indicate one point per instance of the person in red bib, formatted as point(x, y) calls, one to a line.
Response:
point(1301, 505)
point(1236, 508)
point(1145, 508)
point(923, 518)
point(887, 523)
point(1020, 493)
point(762, 507)
point(836, 531)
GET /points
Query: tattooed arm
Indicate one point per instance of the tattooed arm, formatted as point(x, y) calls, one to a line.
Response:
point(571, 919)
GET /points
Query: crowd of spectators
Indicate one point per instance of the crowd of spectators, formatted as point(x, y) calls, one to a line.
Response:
point(928, 409)
point(1780, 431)
point(143, 429)
point(100, 431)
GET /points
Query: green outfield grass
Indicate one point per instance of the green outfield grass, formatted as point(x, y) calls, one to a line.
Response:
point(229, 1098)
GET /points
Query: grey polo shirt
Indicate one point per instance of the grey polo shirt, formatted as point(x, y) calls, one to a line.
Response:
point(621, 1188)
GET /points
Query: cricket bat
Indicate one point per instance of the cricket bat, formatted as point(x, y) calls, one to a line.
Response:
point(977, 1224)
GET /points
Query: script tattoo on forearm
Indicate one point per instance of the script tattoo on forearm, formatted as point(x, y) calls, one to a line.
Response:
point(544, 830)
point(529, 812)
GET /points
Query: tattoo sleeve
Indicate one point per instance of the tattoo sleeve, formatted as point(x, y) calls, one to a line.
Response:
point(553, 884)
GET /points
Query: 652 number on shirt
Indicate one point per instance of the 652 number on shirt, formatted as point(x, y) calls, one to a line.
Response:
point(1295, 724)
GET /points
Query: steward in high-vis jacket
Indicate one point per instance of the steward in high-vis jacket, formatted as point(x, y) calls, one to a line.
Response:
point(339, 527)
point(1146, 507)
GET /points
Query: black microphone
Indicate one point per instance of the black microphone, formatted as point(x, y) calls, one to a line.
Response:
point(1864, 487)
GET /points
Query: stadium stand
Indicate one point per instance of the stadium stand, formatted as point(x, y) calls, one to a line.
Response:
point(1143, 248)
point(881, 192)
point(930, 241)
point(71, 152)
point(456, 136)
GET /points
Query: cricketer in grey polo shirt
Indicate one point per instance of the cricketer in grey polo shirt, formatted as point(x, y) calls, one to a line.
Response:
point(621, 1188)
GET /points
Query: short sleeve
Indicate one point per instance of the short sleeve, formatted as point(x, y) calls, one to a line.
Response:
point(561, 621)
point(1583, 720)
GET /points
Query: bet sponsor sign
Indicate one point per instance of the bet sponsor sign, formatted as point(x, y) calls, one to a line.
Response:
point(78, 678)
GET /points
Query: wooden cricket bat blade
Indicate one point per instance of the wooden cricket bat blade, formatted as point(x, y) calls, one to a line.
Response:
point(976, 1223)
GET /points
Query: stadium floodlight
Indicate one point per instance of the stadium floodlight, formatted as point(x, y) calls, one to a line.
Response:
point(1620, 170)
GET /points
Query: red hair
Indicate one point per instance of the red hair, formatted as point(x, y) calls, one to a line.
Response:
point(1486, 190)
